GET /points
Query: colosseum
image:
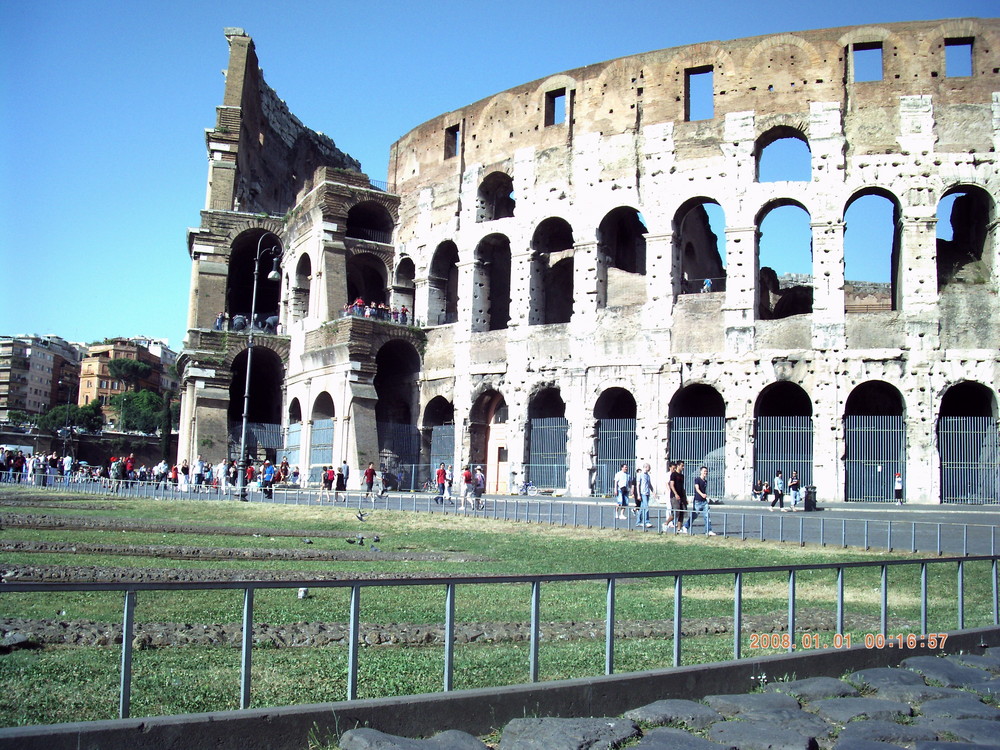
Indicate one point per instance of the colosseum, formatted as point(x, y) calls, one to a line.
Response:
point(575, 273)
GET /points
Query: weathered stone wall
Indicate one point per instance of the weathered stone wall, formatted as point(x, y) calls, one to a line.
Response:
point(912, 136)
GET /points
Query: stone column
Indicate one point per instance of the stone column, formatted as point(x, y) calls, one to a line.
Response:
point(918, 278)
point(585, 283)
point(740, 309)
point(659, 277)
point(828, 320)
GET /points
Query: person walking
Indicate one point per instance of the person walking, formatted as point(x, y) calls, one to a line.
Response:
point(678, 499)
point(644, 489)
point(325, 484)
point(897, 489)
point(441, 477)
point(370, 482)
point(701, 502)
point(795, 488)
point(480, 488)
point(621, 483)
point(467, 488)
point(778, 490)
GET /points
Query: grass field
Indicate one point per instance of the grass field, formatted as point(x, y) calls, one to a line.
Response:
point(73, 683)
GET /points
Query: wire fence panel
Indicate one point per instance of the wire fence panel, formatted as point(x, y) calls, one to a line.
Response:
point(293, 443)
point(970, 460)
point(320, 448)
point(784, 443)
point(701, 441)
point(545, 464)
point(263, 438)
point(442, 445)
point(615, 446)
point(876, 452)
point(398, 444)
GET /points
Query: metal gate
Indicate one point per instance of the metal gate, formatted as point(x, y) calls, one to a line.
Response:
point(701, 441)
point(320, 448)
point(442, 446)
point(263, 439)
point(876, 452)
point(545, 464)
point(615, 446)
point(784, 443)
point(398, 444)
point(969, 448)
point(293, 442)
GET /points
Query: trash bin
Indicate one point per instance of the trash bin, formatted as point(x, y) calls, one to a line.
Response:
point(811, 497)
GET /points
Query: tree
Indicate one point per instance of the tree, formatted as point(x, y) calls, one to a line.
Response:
point(138, 411)
point(89, 417)
point(17, 417)
point(130, 371)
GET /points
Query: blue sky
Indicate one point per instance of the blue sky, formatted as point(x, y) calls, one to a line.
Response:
point(102, 152)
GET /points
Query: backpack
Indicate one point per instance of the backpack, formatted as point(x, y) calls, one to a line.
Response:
point(330, 476)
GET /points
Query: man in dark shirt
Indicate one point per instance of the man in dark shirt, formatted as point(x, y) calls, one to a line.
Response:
point(678, 498)
point(701, 502)
point(369, 481)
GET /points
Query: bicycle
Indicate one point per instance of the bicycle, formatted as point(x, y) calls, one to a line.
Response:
point(527, 488)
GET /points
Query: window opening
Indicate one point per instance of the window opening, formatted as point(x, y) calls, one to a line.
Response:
point(555, 107)
point(785, 263)
point(866, 60)
point(785, 158)
point(871, 255)
point(698, 94)
point(451, 141)
point(957, 58)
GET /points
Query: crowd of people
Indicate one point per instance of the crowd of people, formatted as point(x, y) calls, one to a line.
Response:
point(634, 494)
point(377, 311)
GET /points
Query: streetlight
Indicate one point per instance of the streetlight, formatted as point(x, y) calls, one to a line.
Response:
point(274, 275)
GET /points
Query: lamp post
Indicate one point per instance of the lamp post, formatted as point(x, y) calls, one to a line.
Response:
point(274, 275)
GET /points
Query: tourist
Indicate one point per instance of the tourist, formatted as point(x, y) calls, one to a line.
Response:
point(621, 487)
point(678, 497)
point(778, 488)
point(644, 491)
point(701, 502)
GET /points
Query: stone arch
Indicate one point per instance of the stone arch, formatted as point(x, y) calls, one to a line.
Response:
point(263, 407)
point(366, 277)
point(322, 407)
point(546, 436)
point(969, 256)
point(755, 65)
point(797, 161)
point(932, 47)
point(866, 296)
point(967, 398)
point(442, 282)
point(697, 255)
point(698, 432)
point(621, 251)
point(551, 282)
point(404, 288)
point(294, 411)
point(697, 400)
point(370, 220)
point(299, 287)
point(774, 301)
point(490, 125)
point(491, 284)
point(488, 435)
point(397, 392)
point(495, 197)
point(896, 50)
point(969, 444)
point(243, 256)
point(783, 432)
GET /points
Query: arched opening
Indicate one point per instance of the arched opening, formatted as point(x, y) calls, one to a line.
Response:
point(698, 433)
point(969, 445)
point(397, 364)
point(267, 373)
point(875, 442)
point(293, 435)
point(965, 237)
point(545, 439)
point(621, 266)
point(442, 285)
point(438, 436)
point(783, 433)
point(366, 278)
point(551, 273)
point(491, 285)
point(699, 242)
point(782, 154)
point(300, 288)
point(871, 252)
point(321, 437)
point(239, 281)
point(403, 289)
point(488, 439)
point(369, 221)
point(784, 260)
point(615, 413)
point(495, 198)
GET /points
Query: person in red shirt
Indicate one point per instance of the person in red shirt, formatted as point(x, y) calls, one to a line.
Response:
point(369, 481)
point(468, 489)
point(442, 479)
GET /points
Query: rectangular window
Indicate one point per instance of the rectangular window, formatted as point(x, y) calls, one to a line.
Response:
point(866, 61)
point(555, 107)
point(451, 136)
point(957, 58)
point(699, 94)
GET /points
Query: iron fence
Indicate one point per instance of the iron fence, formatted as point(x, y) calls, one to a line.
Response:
point(701, 441)
point(875, 453)
point(785, 444)
point(970, 460)
point(789, 639)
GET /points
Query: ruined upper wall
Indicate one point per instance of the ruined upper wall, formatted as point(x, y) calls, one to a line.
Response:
point(261, 153)
point(775, 77)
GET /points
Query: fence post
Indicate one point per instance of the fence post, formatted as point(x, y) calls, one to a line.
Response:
point(609, 625)
point(840, 601)
point(352, 643)
point(884, 615)
point(738, 616)
point(923, 598)
point(791, 610)
point(449, 636)
point(678, 588)
point(128, 625)
point(247, 647)
point(536, 587)
point(961, 595)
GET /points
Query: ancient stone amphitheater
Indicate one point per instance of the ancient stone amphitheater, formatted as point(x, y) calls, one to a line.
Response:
point(586, 260)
